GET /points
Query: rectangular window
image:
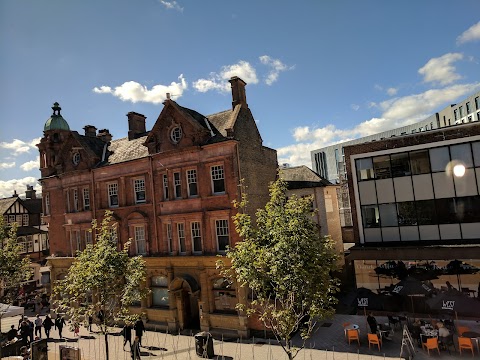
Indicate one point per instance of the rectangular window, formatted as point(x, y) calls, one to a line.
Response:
point(407, 214)
point(113, 233)
point(419, 162)
point(192, 182)
point(469, 109)
point(25, 219)
point(370, 216)
point(177, 182)
point(19, 219)
point(165, 187)
point(86, 199)
point(181, 237)
point(196, 237)
point(388, 215)
point(218, 179)
point(170, 237)
point(88, 237)
point(140, 242)
point(75, 200)
point(462, 153)
point(439, 158)
point(381, 166)
point(426, 213)
point(468, 209)
point(11, 219)
point(477, 103)
point(460, 111)
point(75, 240)
point(400, 165)
point(113, 195)
point(446, 211)
point(139, 186)
point(160, 294)
point(364, 169)
point(29, 243)
point(221, 227)
point(455, 114)
point(47, 204)
point(67, 201)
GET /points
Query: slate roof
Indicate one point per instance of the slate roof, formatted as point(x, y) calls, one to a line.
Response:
point(217, 127)
point(122, 150)
point(302, 176)
point(6, 203)
point(90, 143)
point(221, 121)
point(34, 206)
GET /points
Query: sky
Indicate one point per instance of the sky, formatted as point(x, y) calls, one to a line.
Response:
point(318, 72)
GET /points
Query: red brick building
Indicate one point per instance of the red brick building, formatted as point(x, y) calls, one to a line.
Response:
point(171, 190)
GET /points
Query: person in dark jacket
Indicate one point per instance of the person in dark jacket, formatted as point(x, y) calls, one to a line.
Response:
point(127, 335)
point(24, 331)
point(139, 330)
point(59, 323)
point(47, 325)
point(372, 322)
point(12, 333)
point(135, 349)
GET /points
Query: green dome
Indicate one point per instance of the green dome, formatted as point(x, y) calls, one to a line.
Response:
point(56, 121)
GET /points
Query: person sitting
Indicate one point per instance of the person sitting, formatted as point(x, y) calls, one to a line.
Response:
point(372, 322)
point(443, 332)
point(12, 333)
point(415, 330)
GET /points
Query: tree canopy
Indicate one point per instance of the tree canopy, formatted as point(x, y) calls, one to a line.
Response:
point(286, 264)
point(102, 279)
point(14, 267)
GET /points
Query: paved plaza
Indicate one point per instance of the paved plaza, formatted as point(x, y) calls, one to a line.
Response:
point(328, 342)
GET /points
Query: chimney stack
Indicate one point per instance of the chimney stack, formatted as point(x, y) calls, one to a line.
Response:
point(90, 130)
point(104, 135)
point(136, 125)
point(238, 92)
point(30, 193)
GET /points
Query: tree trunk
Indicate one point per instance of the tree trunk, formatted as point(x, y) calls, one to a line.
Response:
point(106, 345)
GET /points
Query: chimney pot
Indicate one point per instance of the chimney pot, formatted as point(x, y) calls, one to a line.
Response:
point(136, 125)
point(90, 130)
point(238, 92)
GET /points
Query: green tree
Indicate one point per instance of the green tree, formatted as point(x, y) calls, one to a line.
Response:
point(286, 264)
point(14, 267)
point(102, 278)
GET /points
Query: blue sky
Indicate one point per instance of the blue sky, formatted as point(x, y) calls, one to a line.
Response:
point(318, 72)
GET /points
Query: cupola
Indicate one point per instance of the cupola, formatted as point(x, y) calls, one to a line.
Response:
point(56, 121)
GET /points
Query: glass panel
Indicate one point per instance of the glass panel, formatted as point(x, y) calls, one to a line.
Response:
point(439, 158)
point(364, 169)
point(426, 212)
point(400, 165)
point(468, 209)
point(461, 152)
point(419, 162)
point(370, 215)
point(381, 165)
point(388, 215)
point(476, 152)
point(406, 213)
point(446, 213)
point(160, 297)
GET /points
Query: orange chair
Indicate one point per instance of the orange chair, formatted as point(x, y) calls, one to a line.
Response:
point(345, 324)
point(462, 329)
point(353, 335)
point(465, 343)
point(431, 344)
point(374, 340)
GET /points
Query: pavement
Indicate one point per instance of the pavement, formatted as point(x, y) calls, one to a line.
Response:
point(328, 342)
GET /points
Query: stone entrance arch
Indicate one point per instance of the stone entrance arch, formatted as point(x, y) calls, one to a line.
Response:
point(186, 291)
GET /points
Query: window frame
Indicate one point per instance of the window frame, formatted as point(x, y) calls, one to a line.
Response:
point(192, 182)
point(75, 200)
point(47, 204)
point(177, 184)
point(86, 198)
point(182, 242)
point(136, 233)
point(169, 231)
point(196, 232)
point(138, 189)
point(165, 187)
point(164, 288)
point(216, 176)
point(25, 219)
point(220, 233)
point(112, 192)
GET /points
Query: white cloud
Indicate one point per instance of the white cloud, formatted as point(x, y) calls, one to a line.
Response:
point(395, 113)
point(135, 92)
point(392, 91)
point(355, 107)
point(471, 34)
point(171, 5)
point(19, 146)
point(441, 69)
point(20, 185)
point(5, 165)
point(30, 165)
point(219, 81)
point(276, 67)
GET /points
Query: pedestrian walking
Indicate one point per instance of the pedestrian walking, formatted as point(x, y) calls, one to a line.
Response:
point(38, 326)
point(24, 330)
point(127, 335)
point(76, 328)
point(139, 330)
point(90, 322)
point(135, 349)
point(47, 325)
point(31, 328)
point(59, 323)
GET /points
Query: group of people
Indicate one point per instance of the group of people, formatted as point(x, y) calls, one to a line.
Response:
point(29, 331)
point(139, 329)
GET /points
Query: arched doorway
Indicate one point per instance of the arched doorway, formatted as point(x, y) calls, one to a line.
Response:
point(186, 291)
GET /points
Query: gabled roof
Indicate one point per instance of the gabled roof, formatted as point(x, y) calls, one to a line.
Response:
point(303, 177)
point(6, 203)
point(122, 150)
point(222, 121)
point(34, 206)
point(91, 144)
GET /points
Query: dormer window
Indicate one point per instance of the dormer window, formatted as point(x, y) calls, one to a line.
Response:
point(176, 134)
point(76, 158)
